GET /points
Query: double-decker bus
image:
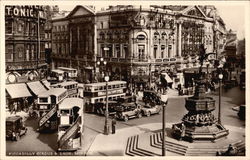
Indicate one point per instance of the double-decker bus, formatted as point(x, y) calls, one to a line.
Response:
point(70, 72)
point(56, 76)
point(70, 130)
point(47, 106)
point(71, 86)
point(94, 93)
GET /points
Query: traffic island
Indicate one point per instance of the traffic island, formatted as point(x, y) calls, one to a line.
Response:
point(150, 144)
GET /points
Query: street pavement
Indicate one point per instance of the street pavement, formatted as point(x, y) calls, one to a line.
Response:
point(93, 126)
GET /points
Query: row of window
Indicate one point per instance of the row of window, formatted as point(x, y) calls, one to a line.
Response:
point(114, 50)
point(60, 28)
point(24, 27)
point(24, 52)
point(60, 48)
point(165, 51)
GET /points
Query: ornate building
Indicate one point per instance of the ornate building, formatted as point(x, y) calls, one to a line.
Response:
point(137, 42)
point(25, 43)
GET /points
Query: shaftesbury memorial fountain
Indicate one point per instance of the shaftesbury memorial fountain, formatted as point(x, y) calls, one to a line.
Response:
point(199, 133)
point(200, 125)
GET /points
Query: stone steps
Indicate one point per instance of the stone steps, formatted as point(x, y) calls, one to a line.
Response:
point(150, 144)
point(171, 147)
point(132, 148)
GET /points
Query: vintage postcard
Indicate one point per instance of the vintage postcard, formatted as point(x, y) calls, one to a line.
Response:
point(124, 79)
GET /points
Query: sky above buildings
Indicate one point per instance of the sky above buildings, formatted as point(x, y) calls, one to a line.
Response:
point(232, 15)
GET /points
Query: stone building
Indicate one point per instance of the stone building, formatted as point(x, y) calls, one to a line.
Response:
point(25, 43)
point(137, 42)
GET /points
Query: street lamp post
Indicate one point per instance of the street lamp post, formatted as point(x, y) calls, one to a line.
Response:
point(164, 99)
point(219, 112)
point(106, 126)
point(101, 62)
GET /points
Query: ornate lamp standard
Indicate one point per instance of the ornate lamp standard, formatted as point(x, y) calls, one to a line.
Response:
point(106, 126)
point(101, 62)
point(219, 112)
point(164, 99)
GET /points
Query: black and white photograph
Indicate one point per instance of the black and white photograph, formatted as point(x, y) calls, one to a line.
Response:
point(118, 79)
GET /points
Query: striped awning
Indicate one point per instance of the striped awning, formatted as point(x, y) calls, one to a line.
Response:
point(167, 78)
point(36, 87)
point(46, 84)
point(19, 90)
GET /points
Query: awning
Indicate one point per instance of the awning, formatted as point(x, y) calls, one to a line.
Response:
point(36, 87)
point(19, 90)
point(167, 78)
point(46, 83)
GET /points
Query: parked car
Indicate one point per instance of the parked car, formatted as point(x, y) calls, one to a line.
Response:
point(242, 112)
point(100, 107)
point(15, 127)
point(151, 97)
point(128, 110)
point(148, 110)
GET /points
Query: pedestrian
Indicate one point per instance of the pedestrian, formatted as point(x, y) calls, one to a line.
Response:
point(183, 132)
point(11, 107)
point(15, 107)
point(113, 124)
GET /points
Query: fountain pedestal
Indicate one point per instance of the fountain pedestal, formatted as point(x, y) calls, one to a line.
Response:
point(199, 124)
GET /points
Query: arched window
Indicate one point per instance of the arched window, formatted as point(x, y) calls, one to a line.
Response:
point(109, 34)
point(102, 36)
point(117, 35)
point(156, 36)
point(163, 36)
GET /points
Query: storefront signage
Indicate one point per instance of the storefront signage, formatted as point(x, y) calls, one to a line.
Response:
point(24, 11)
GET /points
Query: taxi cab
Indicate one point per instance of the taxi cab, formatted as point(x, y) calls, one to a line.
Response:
point(15, 127)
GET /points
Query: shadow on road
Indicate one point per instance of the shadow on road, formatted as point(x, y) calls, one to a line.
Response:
point(50, 139)
point(97, 131)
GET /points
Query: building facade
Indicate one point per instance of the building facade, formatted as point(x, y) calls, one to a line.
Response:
point(137, 42)
point(25, 43)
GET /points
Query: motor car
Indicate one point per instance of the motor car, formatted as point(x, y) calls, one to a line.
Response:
point(148, 110)
point(242, 112)
point(15, 127)
point(101, 107)
point(151, 97)
point(126, 111)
